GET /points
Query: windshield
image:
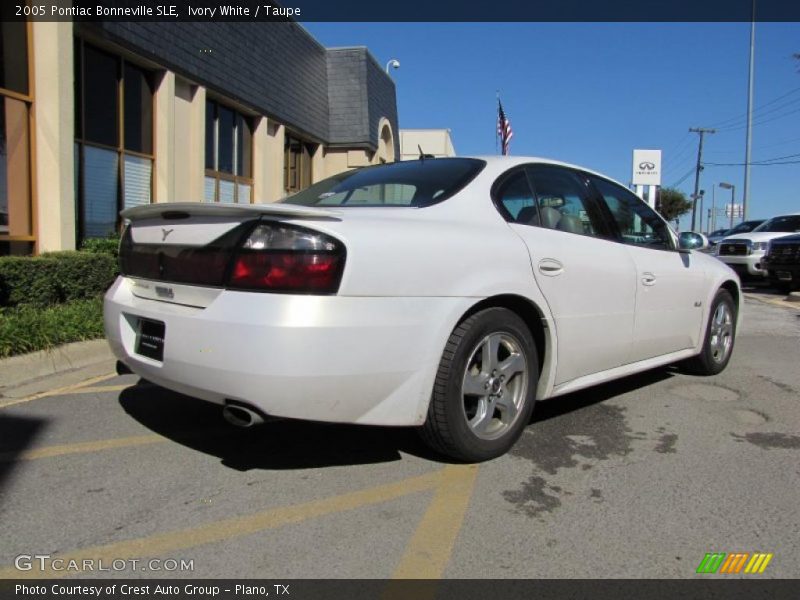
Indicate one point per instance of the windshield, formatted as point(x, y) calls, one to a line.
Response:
point(745, 227)
point(788, 223)
point(415, 183)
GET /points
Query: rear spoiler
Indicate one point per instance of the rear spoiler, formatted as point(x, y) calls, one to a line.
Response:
point(184, 210)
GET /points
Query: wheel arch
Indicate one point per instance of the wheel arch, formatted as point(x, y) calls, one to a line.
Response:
point(538, 324)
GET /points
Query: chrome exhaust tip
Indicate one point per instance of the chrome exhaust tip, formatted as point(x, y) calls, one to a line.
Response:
point(241, 416)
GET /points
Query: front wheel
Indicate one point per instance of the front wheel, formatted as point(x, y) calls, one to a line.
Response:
point(485, 387)
point(719, 338)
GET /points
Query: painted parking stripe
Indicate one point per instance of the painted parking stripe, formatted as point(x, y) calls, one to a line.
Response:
point(58, 391)
point(429, 549)
point(81, 447)
point(163, 543)
point(99, 389)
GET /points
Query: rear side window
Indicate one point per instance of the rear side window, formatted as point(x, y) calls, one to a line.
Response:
point(416, 183)
point(564, 203)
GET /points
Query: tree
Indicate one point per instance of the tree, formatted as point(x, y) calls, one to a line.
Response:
point(672, 203)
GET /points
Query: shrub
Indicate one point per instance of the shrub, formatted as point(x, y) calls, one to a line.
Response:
point(55, 278)
point(30, 328)
point(108, 245)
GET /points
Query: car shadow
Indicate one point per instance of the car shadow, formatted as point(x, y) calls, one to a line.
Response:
point(291, 444)
point(275, 445)
point(16, 436)
point(562, 405)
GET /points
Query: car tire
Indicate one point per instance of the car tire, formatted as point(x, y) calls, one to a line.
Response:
point(784, 288)
point(719, 338)
point(485, 387)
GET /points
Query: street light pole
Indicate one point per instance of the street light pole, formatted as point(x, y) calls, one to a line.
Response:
point(732, 188)
point(713, 217)
point(746, 192)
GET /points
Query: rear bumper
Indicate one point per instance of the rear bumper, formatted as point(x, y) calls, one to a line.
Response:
point(324, 358)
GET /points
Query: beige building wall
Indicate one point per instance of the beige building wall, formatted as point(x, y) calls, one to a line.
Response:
point(188, 142)
point(432, 141)
point(54, 135)
point(268, 140)
point(179, 142)
point(164, 146)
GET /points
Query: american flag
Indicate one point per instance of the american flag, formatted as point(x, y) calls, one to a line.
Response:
point(503, 128)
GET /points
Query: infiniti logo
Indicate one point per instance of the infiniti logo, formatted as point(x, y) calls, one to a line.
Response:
point(647, 166)
point(165, 233)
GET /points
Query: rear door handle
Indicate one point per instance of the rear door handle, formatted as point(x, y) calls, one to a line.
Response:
point(648, 279)
point(550, 267)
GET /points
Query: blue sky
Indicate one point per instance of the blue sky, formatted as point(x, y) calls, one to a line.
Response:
point(589, 93)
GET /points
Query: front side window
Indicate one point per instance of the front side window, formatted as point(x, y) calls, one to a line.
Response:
point(114, 138)
point(416, 183)
point(228, 155)
point(637, 223)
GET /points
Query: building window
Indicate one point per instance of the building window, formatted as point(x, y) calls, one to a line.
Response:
point(296, 164)
point(114, 138)
point(229, 155)
point(16, 208)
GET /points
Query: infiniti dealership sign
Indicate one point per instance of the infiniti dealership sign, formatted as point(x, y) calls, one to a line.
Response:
point(646, 167)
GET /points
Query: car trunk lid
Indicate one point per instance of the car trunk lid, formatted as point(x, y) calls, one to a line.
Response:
point(191, 244)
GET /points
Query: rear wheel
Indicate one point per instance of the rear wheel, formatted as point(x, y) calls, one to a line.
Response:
point(485, 387)
point(720, 335)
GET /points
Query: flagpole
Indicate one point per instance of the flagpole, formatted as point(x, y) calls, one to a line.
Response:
point(496, 132)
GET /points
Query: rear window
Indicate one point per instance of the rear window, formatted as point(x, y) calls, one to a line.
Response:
point(416, 183)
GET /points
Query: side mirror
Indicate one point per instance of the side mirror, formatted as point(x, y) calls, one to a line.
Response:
point(690, 240)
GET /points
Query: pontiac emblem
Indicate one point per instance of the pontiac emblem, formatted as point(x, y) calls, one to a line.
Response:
point(165, 233)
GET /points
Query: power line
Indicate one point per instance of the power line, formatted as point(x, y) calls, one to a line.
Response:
point(753, 164)
point(684, 178)
point(776, 118)
point(741, 116)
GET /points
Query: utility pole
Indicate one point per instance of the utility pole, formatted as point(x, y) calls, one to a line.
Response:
point(699, 168)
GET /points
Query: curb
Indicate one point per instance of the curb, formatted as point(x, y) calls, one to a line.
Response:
point(25, 368)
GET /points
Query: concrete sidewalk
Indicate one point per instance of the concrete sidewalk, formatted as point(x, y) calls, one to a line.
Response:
point(39, 371)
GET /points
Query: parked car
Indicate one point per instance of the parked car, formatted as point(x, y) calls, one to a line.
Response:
point(782, 261)
point(744, 252)
point(448, 294)
point(717, 236)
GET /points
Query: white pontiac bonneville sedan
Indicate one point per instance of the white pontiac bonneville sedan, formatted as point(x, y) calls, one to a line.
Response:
point(448, 294)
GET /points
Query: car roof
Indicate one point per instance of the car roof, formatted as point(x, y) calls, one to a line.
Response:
point(507, 162)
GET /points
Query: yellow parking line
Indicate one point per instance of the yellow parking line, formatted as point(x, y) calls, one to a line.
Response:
point(163, 543)
point(429, 549)
point(98, 389)
point(81, 447)
point(62, 390)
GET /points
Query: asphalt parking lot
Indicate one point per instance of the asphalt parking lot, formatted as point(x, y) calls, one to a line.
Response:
point(639, 478)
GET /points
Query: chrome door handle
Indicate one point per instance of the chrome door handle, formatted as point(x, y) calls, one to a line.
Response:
point(648, 279)
point(550, 267)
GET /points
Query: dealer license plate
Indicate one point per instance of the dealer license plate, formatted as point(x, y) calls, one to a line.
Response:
point(150, 339)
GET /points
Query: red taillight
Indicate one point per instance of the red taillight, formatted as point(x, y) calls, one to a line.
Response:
point(280, 258)
point(287, 272)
